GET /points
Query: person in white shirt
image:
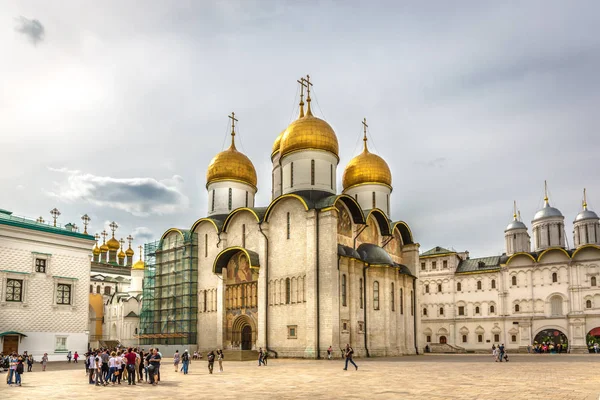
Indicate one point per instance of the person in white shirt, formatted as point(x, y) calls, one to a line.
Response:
point(112, 367)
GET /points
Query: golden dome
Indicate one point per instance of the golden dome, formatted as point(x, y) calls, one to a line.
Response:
point(104, 248)
point(139, 264)
point(96, 250)
point(121, 254)
point(129, 252)
point(309, 133)
point(231, 165)
point(113, 244)
point(366, 168)
point(277, 144)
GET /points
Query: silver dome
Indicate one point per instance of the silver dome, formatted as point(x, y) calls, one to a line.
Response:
point(515, 225)
point(586, 214)
point(547, 212)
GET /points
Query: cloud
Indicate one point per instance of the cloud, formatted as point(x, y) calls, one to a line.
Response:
point(438, 162)
point(137, 196)
point(143, 234)
point(32, 28)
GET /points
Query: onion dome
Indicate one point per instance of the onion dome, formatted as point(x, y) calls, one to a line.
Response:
point(139, 264)
point(104, 248)
point(121, 254)
point(547, 211)
point(96, 250)
point(516, 223)
point(231, 165)
point(308, 132)
point(113, 244)
point(277, 144)
point(366, 168)
point(129, 252)
point(585, 213)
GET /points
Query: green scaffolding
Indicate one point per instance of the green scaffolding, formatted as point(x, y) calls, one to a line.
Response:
point(170, 293)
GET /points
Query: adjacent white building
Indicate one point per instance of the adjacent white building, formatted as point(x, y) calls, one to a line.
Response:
point(44, 277)
point(545, 293)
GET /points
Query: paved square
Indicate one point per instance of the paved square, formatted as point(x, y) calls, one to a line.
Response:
point(417, 377)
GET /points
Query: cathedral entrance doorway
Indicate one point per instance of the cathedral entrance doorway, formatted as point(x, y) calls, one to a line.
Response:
point(247, 338)
point(11, 345)
point(442, 339)
point(551, 341)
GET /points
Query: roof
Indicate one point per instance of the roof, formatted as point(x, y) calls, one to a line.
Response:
point(7, 218)
point(131, 315)
point(436, 251)
point(483, 264)
point(373, 254)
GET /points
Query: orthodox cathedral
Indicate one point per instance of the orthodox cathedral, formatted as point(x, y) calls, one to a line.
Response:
point(312, 269)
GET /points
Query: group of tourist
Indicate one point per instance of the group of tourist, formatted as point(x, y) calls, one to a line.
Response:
point(547, 347)
point(499, 353)
point(111, 366)
point(14, 364)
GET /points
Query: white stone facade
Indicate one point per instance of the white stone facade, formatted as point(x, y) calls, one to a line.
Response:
point(51, 305)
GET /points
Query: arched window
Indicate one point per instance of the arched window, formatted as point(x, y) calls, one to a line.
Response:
point(412, 303)
point(374, 201)
point(516, 308)
point(292, 174)
point(107, 290)
point(91, 288)
point(243, 235)
point(492, 309)
point(212, 207)
point(439, 288)
point(593, 281)
point(554, 277)
point(288, 291)
point(246, 198)
point(393, 298)
point(588, 304)
point(441, 310)
point(556, 303)
point(376, 295)
point(424, 311)
point(312, 172)
point(230, 200)
point(478, 285)
point(458, 287)
point(493, 284)
point(476, 310)
point(496, 338)
point(426, 288)
point(344, 290)
point(288, 225)
point(401, 301)
point(480, 338)
point(513, 338)
point(98, 289)
point(514, 280)
point(361, 289)
point(464, 338)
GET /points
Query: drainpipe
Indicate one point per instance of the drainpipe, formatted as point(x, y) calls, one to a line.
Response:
point(266, 288)
point(318, 305)
point(414, 301)
point(365, 306)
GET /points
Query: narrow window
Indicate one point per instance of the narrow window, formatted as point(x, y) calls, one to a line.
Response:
point(312, 172)
point(387, 199)
point(478, 285)
point(288, 291)
point(205, 298)
point(230, 199)
point(593, 281)
point(374, 201)
point(516, 308)
point(514, 280)
point(401, 301)
point(288, 225)
point(445, 264)
point(361, 293)
point(548, 234)
point(588, 304)
point(554, 277)
point(464, 338)
point(426, 288)
point(439, 288)
point(496, 338)
point(422, 266)
point(560, 233)
point(331, 175)
point(98, 289)
point(513, 338)
point(205, 245)
point(14, 290)
point(91, 288)
point(393, 298)
point(40, 265)
point(246, 198)
point(476, 310)
point(537, 238)
point(461, 310)
point(441, 310)
point(434, 265)
point(356, 196)
point(458, 287)
point(587, 234)
point(107, 290)
point(429, 339)
point(493, 284)
point(424, 311)
point(412, 303)
point(243, 235)
point(480, 338)
point(213, 201)
point(292, 174)
point(376, 295)
point(63, 294)
point(344, 290)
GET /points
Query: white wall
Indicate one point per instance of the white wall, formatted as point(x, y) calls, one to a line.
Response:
point(324, 179)
point(364, 195)
point(220, 191)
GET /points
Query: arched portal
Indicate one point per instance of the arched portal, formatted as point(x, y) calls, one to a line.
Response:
point(443, 340)
point(552, 338)
point(593, 340)
point(243, 333)
point(246, 338)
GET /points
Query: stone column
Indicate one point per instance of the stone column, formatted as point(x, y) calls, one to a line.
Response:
point(221, 318)
point(311, 286)
point(577, 335)
point(263, 292)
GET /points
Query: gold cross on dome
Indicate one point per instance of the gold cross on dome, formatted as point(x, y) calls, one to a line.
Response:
point(233, 121)
point(365, 126)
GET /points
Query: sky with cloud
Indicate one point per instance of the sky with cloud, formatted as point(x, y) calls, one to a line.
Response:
point(115, 109)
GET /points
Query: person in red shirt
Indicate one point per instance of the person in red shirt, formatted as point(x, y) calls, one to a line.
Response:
point(130, 357)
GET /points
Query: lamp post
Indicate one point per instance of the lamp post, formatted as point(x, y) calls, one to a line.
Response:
point(55, 214)
point(86, 220)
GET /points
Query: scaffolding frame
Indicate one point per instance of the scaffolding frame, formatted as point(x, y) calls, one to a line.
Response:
point(169, 313)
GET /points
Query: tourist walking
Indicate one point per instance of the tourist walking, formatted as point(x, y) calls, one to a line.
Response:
point(329, 351)
point(260, 356)
point(44, 361)
point(265, 356)
point(141, 366)
point(185, 360)
point(90, 363)
point(105, 370)
point(99, 374)
point(495, 353)
point(195, 357)
point(130, 357)
point(176, 359)
point(501, 351)
point(69, 356)
point(211, 361)
point(154, 368)
point(13, 361)
point(112, 368)
point(29, 363)
point(220, 359)
point(348, 354)
point(75, 357)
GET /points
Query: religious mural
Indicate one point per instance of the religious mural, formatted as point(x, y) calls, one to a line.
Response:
point(238, 269)
point(371, 233)
point(394, 247)
point(241, 297)
point(344, 226)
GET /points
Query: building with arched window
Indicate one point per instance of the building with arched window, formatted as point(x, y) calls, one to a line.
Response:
point(313, 268)
point(540, 290)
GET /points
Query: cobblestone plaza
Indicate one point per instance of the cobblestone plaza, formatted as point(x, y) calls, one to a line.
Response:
point(413, 377)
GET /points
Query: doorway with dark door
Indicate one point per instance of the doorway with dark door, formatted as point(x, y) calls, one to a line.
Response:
point(442, 339)
point(11, 344)
point(247, 338)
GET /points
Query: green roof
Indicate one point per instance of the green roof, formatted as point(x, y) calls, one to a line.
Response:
point(437, 250)
point(482, 264)
point(7, 218)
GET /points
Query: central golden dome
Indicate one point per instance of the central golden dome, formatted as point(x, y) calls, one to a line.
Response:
point(231, 165)
point(113, 244)
point(129, 252)
point(366, 168)
point(139, 264)
point(309, 133)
